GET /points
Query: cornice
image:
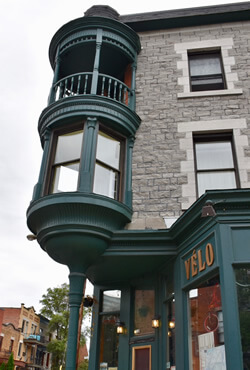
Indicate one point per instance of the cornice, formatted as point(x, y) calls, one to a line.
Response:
point(115, 114)
point(83, 23)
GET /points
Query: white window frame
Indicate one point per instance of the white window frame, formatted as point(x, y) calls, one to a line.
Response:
point(224, 45)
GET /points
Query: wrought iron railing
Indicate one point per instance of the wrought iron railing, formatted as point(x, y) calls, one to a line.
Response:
point(85, 84)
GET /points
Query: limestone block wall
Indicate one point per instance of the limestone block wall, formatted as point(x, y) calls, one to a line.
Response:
point(164, 183)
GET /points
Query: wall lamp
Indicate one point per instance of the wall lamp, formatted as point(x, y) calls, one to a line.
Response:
point(208, 209)
point(156, 322)
point(171, 324)
point(120, 327)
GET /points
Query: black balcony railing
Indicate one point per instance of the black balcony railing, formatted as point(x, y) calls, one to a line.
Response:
point(84, 84)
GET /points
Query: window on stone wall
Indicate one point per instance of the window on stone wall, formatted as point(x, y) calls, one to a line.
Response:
point(215, 162)
point(206, 71)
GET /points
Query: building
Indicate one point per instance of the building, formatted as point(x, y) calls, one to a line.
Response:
point(24, 333)
point(144, 185)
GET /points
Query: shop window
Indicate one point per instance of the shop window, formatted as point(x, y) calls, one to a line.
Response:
point(67, 158)
point(144, 303)
point(242, 276)
point(206, 71)
point(215, 162)
point(206, 326)
point(109, 339)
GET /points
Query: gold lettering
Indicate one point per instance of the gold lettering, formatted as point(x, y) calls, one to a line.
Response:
point(209, 254)
point(202, 265)
point(187, 266)
point(194, 264)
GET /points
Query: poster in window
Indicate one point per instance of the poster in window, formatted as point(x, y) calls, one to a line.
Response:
point(141, 358)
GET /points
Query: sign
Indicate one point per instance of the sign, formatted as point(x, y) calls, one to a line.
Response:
point(199, 261)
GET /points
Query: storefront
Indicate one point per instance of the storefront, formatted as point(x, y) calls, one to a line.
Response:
point(193, 311)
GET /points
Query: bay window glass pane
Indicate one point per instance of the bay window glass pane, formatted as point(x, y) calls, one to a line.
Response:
point(105, 181)
point(207, 64)
point(65, 178)
point(206, 326)
point(108, 150)
point(214, 155)
point(242, 276)
point(111, 300)
point(215, 180)
point(68, 147)
point(144, 312)
point(109, 342)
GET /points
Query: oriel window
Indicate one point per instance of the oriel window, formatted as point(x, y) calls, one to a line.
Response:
point(206, 71)
point(68, 153)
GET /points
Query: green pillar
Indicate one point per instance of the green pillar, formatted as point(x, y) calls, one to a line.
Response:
point(76, 280)
point(128, 173)
point(37, 193)
point(86, 173)
point(97, 61)
point(52, 94)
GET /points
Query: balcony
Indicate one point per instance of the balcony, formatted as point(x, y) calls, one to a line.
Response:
point(81, 84)
point(35, 339)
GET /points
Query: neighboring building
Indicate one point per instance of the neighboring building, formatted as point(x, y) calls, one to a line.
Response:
point(24, 333)
point(144, 185)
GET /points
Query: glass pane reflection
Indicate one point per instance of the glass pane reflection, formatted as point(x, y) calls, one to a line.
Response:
point(108, 150)
point(65, 178)
point(105, 181)
point(214, 155)
point(69, 147)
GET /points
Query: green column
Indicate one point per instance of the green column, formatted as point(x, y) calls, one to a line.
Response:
point(52, 94)
point(128, 173)
point(37, 193)
point(97, 61)
point(77, 280)
point(132, 99)
point(86, 176)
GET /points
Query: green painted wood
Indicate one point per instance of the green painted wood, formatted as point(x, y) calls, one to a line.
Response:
point(95, 332)
point(38, 189)
point(234, 358)
point(125, 316)
point(77, 280)
point(87, 164)
point(97, 61)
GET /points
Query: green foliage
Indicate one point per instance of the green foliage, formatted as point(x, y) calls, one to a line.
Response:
point(2, 366)
point(83, 365)
point(55, 306)
point(10, 364)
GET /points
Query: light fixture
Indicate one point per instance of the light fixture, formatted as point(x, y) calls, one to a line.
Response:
point(171, 324)
point(31, 237)
point(156, 322)
point(208, 209)
point(120, 327)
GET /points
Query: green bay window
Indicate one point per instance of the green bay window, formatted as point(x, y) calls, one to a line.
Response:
point(70, 149)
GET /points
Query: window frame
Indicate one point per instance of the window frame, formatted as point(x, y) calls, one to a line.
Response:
point(211, 138)
point(195, 54)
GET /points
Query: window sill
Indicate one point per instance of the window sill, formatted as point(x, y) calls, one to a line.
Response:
point(197, 94)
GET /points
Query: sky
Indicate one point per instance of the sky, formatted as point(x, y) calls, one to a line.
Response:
point(26, 28)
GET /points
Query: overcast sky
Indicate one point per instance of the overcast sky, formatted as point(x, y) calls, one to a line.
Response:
point(26, 28)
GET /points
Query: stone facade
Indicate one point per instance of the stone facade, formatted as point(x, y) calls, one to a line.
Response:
point(164, 183)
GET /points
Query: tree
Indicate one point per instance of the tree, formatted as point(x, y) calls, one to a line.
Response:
point(55, 307)
point(10, 364)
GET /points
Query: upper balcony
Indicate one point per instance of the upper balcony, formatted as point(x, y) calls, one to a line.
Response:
point(94, 61)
